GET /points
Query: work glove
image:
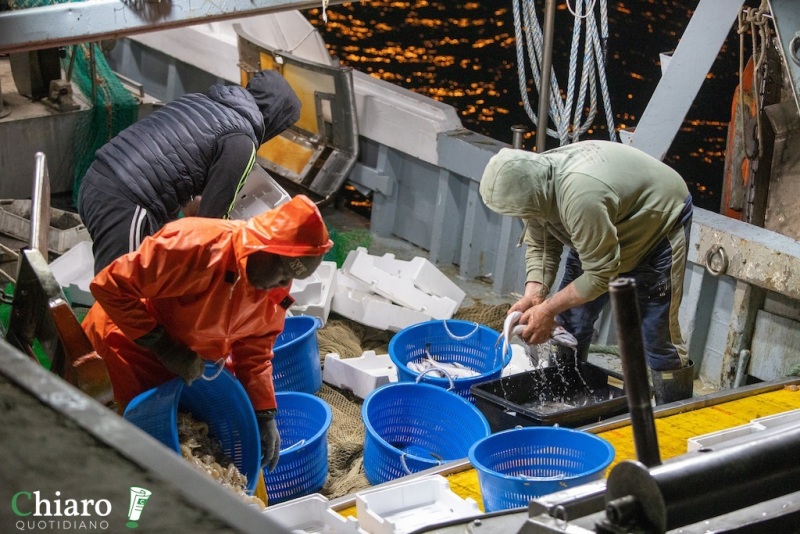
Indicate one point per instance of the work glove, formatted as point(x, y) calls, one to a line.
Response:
point(270, 439)
point(176, 357)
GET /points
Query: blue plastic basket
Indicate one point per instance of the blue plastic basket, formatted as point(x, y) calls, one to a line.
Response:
point(472, 345)
point(411, 427)
point(295, 364)
point(521, 464)
point(221, 403)
point(303, 421)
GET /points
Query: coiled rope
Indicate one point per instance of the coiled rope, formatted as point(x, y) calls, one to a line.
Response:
point(566, 113)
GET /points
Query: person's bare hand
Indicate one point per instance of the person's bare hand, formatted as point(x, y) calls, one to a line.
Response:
point(540, 323)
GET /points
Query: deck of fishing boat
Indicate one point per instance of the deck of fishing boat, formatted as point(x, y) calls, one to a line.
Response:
point(676, 424)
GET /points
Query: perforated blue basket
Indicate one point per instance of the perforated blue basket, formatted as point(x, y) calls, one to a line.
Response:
point(521, 464)
point(411, 427)
point(303, 421)
point(295, 364)
point(454, 341)
point(221, 403)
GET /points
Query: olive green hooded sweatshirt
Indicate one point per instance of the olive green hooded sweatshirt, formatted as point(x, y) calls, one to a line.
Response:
point(610, 202)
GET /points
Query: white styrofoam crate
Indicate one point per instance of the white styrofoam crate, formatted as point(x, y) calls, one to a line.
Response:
point(259, 193)
point(423, 274)
point(314, 295)
point(311, 514)
point(74, 271)
point(66, 229)
point(363, 267)
point(406, 507)
point(361, 375)
point(354, 300)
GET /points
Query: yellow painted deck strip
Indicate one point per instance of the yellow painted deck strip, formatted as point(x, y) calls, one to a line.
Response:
point(673, 433)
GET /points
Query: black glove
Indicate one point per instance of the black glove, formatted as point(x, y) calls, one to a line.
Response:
point(270, 439)
point(176, 357)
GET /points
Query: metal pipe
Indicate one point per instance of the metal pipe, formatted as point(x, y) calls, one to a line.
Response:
point(547, 65)
point(625, 307)
point(39, 237)
point(518, 131)
point(707, 484)
point(741, 368)
point(93, 73)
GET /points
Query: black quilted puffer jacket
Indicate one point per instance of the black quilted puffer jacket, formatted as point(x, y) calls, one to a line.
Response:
point(163, 159)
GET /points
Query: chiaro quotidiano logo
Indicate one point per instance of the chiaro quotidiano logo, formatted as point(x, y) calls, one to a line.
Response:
point(37, 512)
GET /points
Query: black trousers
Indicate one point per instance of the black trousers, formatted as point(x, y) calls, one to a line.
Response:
point(115, 223)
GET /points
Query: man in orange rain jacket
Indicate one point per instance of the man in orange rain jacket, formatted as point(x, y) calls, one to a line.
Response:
point(205, 289)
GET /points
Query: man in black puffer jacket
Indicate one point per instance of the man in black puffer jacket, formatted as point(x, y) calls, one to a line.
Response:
point(199, 145)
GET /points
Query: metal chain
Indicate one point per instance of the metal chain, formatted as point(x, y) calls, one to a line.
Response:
point(755, 22)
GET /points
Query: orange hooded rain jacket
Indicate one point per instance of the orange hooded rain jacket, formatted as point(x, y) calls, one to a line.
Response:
point(190, 277)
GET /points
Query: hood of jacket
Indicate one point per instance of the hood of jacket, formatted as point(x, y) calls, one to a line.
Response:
point(276, 100)
point(294, 228)
point(240, 100)
point(518, 183)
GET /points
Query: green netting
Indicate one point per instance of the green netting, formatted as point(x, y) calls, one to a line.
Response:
point(344, 242)
point(114, 109)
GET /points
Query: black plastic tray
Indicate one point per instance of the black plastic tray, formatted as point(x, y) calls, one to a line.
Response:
point(568, 396)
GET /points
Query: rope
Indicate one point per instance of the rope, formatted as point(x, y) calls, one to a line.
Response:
point(566, 113)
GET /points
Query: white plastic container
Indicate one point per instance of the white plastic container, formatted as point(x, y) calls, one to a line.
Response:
point(311, 514)
point(715, 438)
point(407, 507)
point(66, 228)
point(360, 375)
point(778, 419)
point(314, 295)
point(74, 271)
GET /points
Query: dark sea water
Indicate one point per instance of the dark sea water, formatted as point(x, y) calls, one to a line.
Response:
point(464, 54)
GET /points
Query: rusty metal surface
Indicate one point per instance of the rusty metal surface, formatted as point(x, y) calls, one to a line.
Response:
point(757, 256)
point(783, 215)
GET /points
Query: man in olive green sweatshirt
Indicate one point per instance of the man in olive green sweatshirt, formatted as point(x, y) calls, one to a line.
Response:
point(622, 213)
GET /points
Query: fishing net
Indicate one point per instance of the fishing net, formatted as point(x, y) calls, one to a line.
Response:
point(113, 109)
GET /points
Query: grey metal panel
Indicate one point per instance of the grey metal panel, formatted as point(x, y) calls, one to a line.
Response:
point(786, 18)
point(699, 292)
point(470, 263)
point(466, 153)
point(162, 76)
point(35, 128)
point(782, 215)
point(81, 22)
point(445, 229)
point(719, 325)
point(416, 193)
point(775, 346)
point(675, 93)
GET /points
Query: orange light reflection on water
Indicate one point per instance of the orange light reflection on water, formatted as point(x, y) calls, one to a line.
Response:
point(464, 54)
